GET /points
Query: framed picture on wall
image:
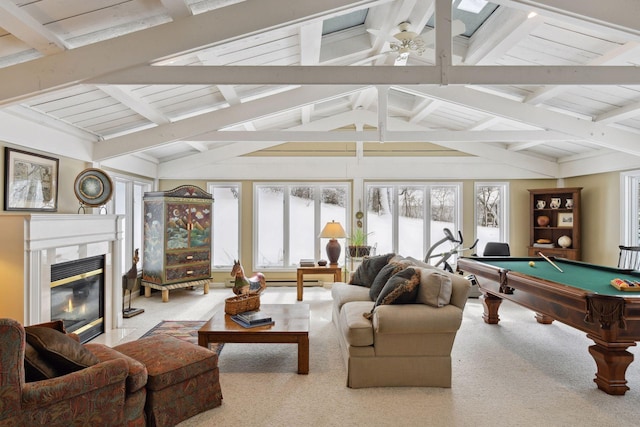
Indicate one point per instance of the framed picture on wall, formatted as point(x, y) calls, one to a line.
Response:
point(30, 181)
point(565, 219)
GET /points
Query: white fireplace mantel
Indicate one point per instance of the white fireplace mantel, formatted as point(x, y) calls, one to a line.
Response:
point(32, 243)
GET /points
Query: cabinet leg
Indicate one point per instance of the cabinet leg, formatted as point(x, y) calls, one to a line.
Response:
point(206, 288)
point(165, 295)
point(147, 291)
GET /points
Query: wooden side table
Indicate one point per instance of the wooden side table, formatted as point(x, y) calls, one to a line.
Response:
point(335, 270)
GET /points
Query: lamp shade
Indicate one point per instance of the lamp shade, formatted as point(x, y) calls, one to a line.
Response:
point(333, 230)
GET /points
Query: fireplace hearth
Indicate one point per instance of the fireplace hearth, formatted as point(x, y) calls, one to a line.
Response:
point(77, 296)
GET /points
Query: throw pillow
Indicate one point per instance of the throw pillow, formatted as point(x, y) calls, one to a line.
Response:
point(36, 368)
point(384, 275)
point(61, 352)
point(401, 288)
point(435, 288)
point(369, 269)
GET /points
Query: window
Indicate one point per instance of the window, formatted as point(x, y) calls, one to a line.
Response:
point(289, 218)
point(127, 200)
point(630, 214)
point(491, 213)
point(226, 224)
point(409, 218)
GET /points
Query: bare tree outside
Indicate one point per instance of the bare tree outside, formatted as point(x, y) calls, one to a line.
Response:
point(443, 203)
point(488, 206)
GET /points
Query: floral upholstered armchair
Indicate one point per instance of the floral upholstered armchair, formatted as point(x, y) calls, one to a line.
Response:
point(93, 395)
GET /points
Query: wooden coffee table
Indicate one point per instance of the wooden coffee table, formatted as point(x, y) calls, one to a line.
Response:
point(291, 326)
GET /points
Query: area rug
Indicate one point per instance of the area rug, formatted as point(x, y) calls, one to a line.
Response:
point(186, 330)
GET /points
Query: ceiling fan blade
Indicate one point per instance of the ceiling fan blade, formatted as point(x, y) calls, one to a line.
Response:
point(401, 59)
point(378, 33)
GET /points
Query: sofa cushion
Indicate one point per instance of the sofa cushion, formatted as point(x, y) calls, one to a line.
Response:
point(356, 330)
point(435, 288)
point(369, 269)
point(401, 288)
point(62, 353)
point(385, 274)
point(343, 293)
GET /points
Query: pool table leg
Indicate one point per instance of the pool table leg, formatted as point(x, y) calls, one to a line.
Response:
point(491, 305)
point(612, 363)
point(544, 319)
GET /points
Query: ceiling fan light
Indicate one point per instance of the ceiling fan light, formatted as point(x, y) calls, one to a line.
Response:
point(416, 46)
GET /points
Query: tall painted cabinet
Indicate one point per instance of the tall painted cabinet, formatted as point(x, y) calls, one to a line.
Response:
point(177, 235)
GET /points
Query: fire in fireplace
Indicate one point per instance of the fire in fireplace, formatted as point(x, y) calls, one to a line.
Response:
point(77, 296)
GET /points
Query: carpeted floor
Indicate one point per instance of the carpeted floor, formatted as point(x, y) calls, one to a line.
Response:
point(515, 374)
point(186, 330)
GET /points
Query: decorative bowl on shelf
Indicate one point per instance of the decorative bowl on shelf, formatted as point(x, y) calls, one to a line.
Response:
point(542, 220)
point(322, 262)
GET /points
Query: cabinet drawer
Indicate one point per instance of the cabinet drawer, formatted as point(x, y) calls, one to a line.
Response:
point(183, 273)
point(572, 254)
point(186, 257)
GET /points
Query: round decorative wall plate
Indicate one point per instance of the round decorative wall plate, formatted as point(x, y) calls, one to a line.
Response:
point(93, 187)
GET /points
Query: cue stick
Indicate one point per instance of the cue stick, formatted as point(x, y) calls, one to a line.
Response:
point(550, 262)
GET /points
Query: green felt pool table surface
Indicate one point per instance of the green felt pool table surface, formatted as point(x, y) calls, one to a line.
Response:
point(589, 277)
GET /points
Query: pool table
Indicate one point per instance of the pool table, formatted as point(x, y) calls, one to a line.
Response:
point(580, 296)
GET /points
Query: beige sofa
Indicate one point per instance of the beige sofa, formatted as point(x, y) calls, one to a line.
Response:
point(402, 344)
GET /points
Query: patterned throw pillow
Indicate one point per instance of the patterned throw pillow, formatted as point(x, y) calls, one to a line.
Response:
point(401, 288)
point(384, 275)
point(369, 269)
point(60, 352)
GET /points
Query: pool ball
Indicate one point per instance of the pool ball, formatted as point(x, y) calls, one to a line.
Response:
point(532, 264)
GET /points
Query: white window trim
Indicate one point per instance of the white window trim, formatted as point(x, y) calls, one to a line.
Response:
point(629, 182)
point(504, 208)
point(129, 181)
point(227, 184)
point(427, 185)
point(288, 184)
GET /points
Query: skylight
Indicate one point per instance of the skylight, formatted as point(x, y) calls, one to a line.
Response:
point(343, 22)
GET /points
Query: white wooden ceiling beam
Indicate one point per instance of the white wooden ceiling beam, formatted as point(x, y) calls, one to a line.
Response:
point(619, 114)
point(617, 56)
point(161, 42)
point(24, 27)
point(337, 75)
point(619, 14)
point(237, 114)
point(504, 29)
point(597, 133)
point(419, 135)
point(126, 96)
point(310, 43)
point(177, 8)
point(420, 168)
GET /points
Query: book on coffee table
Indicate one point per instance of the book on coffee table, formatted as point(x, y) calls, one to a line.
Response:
point(250, 319)
point(236, 318)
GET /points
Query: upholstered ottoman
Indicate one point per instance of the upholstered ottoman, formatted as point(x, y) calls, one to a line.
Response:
point(183, 378)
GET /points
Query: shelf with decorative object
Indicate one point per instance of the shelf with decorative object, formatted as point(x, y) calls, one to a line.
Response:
point(555, 219)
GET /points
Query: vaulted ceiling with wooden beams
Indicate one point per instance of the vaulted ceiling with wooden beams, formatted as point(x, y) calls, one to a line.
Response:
point(275, 89)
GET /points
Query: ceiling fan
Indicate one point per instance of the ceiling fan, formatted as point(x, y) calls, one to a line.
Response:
point(405, 42)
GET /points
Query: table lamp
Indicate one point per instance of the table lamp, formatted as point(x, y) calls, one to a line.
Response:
point(333, 230)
